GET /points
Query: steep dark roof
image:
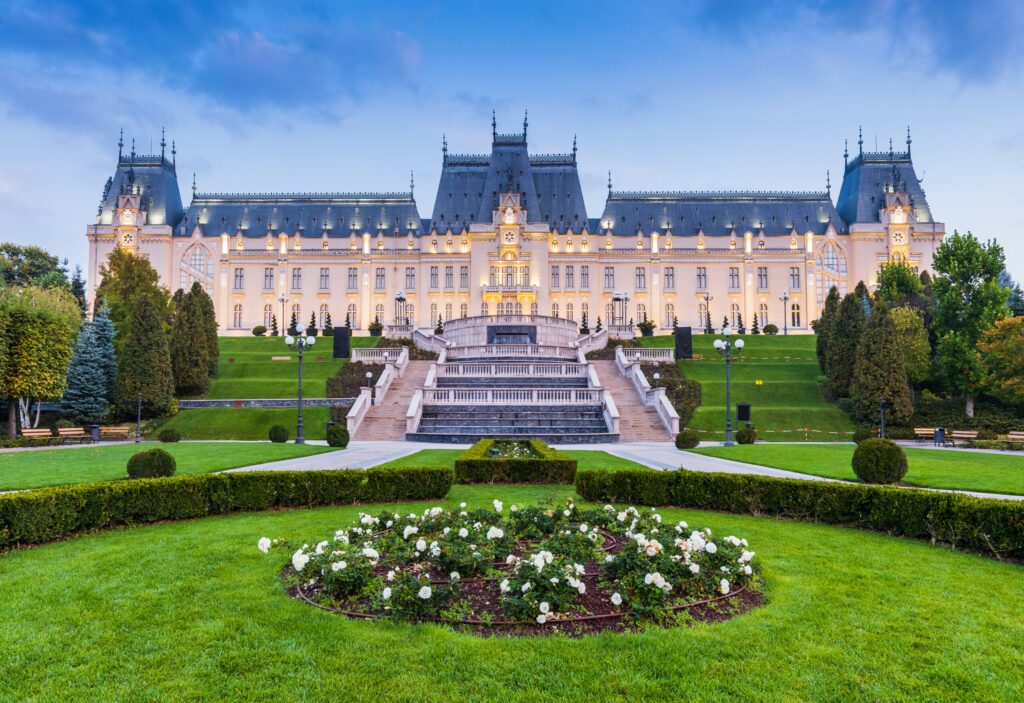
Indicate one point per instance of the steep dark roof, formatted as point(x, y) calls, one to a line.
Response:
point(256, 214)
point(867, 178)
point(719, 213)
point(157, 180)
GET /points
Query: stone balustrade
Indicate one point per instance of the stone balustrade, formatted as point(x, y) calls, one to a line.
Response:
point(475, 351)
point(511, 369)
point(513, 396)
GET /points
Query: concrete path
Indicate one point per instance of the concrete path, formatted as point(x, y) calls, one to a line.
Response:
point(357, 455)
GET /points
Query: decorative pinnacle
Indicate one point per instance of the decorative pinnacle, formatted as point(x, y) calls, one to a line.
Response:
point(163, 143)
point(908, 140)
point(860, 140)
point(133, 148)
point(174, 153)
point(494, 124)
point(444, 147)
point(193, 185)
point(609, 183)
point(526, 115)
point(890, 147)
point(412, 183)
point(828, 182)
point(120, 144)
point(846, 152)
point(574, 148)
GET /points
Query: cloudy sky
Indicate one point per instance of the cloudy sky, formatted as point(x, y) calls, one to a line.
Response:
point(348, 96)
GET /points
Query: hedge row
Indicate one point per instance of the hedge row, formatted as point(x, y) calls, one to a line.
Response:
point(963, 522)
point(33, 517)
point(476, 465)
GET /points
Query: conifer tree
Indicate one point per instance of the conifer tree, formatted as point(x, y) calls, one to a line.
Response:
point(85, 396)
point(311, 327)
point(189, 351)
point(740, 329)
point(725, 322)
point(293, 325)
point(842, 349)
point(825, 326)
point(78, 289)
point(144, 366)
point(348, 320)
point(864, 297)
point(273, 326)
point(125, 279)
point(328, 330)
point(103, 337)
point(708, 329)
point(756, 328)
point(208, 318)
point(598, 327)
point(879, 373)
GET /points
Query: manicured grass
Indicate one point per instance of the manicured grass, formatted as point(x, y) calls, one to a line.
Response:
point(970, 471)
point(246, 370)
point(785, 405)
point(245, 423)
point(52, 467)
point(446, 457)
point(192, 611)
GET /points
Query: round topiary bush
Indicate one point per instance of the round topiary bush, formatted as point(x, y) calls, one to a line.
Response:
point(169, 435)
point(746, 435)
point(687, 439)
point(279, 434)
point(879, 461)
point(259, 331)
point(862, 433)
point(770, 329)
point(153, 463)
point(337, 436)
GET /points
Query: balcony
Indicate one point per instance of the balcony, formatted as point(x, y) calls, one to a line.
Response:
point(515, 289)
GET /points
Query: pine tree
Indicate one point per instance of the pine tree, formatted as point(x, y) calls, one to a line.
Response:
point(273, 326)
point(293, 325)
point(739, 324)
point(85, 396)
point(189, 351)
point(708, 329)
point(311, 328)
point(208, 318)
point(348, 320)
point(879, 373)
point(675, 322)
point(598, 327)
point(584, 328)
point(864, 297)
point(756, 329)
point(103, 337)
point(328, 330)
point(825, 326)
point(78, 289)
point(440, 326)
point(144, 366)
point(725, 322)
point(841, 352)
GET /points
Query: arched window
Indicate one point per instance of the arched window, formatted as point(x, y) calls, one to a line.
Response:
point(795, 321)
point(641, 312)
point(569, 312)
point(323, 315)
point(762, 317)
point(554, 309)
point(447, 312)
point(268, 315)
point(236, 319)
point(533, 309)
point(501, 308)
point(484, 309)
point(433, 314)
point(734, 309)
point(297, 316)
point(353, 316)
point(196, 266)
point(670, 313)
point(519, 308)
point(379, 312)
point(463, 310)
point(702, 315)
point(584, 308)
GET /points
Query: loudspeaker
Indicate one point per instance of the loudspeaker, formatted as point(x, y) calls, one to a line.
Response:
point(743, 412)
point(342, 342)
point(684, 343)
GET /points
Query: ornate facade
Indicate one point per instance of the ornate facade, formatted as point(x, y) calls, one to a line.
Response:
point(509, 233)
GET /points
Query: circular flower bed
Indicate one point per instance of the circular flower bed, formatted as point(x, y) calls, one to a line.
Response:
point(530, 570)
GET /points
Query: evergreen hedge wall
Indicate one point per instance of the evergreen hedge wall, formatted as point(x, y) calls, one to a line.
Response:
point(34, 517)
point(960, 521)
point(476, 465)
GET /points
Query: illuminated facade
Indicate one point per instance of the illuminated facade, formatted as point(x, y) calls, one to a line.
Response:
point(509, 232)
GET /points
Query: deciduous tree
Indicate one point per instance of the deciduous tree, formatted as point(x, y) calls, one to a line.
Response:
point(913, 342)
point(126, 280)
point(898, 283)
point(1002, 359)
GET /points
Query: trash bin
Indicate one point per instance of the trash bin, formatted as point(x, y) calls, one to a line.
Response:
point(94, 433)
point(940, 436)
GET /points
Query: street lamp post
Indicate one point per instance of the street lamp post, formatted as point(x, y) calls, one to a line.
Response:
point(400, 318)
point(785, 311)
point(707, 313)
point(725, 347)
point(299, 344)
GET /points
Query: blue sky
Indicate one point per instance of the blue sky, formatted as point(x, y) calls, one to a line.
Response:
point(667, 95)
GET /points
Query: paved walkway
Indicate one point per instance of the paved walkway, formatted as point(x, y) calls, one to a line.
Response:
point(357, 455)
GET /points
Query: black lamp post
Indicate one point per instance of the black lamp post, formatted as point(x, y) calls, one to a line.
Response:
point(400, 318)
point(138, 419)
point(707, 313)
point(726, 347)
point(785, 312)
point(299, 344)
point(284, 326)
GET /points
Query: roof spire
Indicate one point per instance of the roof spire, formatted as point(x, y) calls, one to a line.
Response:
point(163, 143)
point(890, 147)
point(526, 122)
point(846, 152)
point(133, 148)
point(574, 148)
point(609, 183)
point(444, 148)
point(908, 141)
point(174, 154)
point(120, 144)
point(494, 125)
point(412, 185)
point(828, 183)
point(860, 141)
point(193, 185)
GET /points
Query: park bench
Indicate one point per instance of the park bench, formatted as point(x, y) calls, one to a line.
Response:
point(1015, 436)
point(116, 432)
point(924, 433)
point(697, 357)
point(961, 435)
point(72, 434)
point(36, 435)
point(280, 358)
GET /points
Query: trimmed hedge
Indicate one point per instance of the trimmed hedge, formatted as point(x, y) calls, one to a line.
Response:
point(34, 517)
point(960, 521)
point(169, 435)
point(475, 465)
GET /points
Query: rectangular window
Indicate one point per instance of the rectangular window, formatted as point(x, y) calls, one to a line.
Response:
point(433, 277)
point(641, 278)
point(449, 277)
point(555, 283)
point(794, 278)
point(464, 278)
point(296, 279)
point(584, 277)
point(609, 277)
point(734, 278)
point(410, 278)
point(325, 278)
point(762, 278)
point(240, 279)
point(353, 279)
point(570, 277)
point(702, 278)
point(670, 278)
point(378, 282)
point(268, 279)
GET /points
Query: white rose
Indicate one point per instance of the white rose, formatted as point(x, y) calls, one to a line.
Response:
point(409, 530)
point(695, 568)
point(711, 548)
point(425, 593)
point(498, 505)
point(544, 607)
point(747, 570)
point(504, 586)
point(264, 544)
point(541, 619)
point(495, 533)
point(386, 593)
point(338, 566)
point(421, 545)
point(616, 599)
point(299, 560)
point(454, 576)
point(463, 532)
point(724, 586)
point(526, 587)
point(583, 527)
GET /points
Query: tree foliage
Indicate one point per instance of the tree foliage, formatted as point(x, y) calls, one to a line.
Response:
point(913, 342)
point(208, 317)
point(825, 326)
point(85, 397)
point(127, 280)
point(879, 373)
point(77, 287)
point(1002, 359)
point(144, 366)
point(103, 336)
point(189, 351)
point(843, 341)
point(22, 266)
point(898, 283)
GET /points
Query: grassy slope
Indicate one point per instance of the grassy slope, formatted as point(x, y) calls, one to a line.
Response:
point(788, 400)
point(994, 473)
point(192, 611)
point(253, 375)
point(587, 459)
point(51, 467)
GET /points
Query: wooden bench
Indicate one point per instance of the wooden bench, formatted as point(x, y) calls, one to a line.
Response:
point(72, 434)
point(41, 434)
point(280, 358)
point(116, 432)
point(1015, 436)
point(961, 435)
point(697, 357)
point(923, 433)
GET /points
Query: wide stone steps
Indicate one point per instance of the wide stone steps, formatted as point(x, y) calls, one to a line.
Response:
point(511, 382)
point(387, 420)
point(637, 422)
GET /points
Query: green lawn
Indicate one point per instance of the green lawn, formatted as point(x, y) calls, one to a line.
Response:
point(245, 423)
point(191, 611)
point(51, 467)
point(587, 459)
point(971, 471)
point(789, 398)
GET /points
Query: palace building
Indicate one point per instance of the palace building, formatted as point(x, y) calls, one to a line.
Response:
point(509, 233)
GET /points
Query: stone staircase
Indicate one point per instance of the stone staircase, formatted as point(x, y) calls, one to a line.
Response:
point(637, 422)
point(574, 424)
point(387, 420)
